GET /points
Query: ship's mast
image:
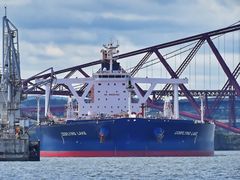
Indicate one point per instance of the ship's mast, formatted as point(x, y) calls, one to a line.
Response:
point(10, 76)
point(108, 53)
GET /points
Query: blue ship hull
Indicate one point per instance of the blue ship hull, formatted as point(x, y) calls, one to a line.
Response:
point(126, 137)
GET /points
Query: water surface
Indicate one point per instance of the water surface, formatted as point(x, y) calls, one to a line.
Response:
point(224, 165)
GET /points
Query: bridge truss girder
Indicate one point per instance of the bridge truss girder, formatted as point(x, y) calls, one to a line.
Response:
point(200, 39)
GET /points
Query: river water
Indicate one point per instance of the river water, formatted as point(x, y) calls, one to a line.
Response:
point(224, 165)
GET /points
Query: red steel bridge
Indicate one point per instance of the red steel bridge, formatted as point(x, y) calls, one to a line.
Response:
point(210, 60)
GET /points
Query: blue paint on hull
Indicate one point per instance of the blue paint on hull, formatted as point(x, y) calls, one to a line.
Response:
point(127, 134)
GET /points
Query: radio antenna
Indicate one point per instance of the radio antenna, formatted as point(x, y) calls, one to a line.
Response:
point(5, 9)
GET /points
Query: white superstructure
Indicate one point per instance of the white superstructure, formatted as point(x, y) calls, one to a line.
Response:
point(112, 91)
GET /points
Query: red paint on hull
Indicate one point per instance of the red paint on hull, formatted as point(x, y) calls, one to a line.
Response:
point(123, 153)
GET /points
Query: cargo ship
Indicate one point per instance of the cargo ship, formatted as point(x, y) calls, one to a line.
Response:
point(110, 119)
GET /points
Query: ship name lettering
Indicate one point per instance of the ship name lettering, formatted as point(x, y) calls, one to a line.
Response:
point(72, 133)
point(112, 94)
point(186, 133)
point(81, 133)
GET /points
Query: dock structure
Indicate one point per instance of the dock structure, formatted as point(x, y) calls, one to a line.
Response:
point(18, 149)
point(15, 144)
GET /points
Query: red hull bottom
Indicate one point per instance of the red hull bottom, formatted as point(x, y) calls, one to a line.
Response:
point(123, 153)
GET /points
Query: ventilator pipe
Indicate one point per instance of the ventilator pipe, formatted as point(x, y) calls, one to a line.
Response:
point(176, 103)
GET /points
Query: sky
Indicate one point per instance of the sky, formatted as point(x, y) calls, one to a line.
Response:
point(61, 34)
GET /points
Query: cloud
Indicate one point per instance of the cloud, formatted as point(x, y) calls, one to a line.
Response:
point(16, 2)
point(128, 16)
point(58, 35)
point(54, 32)
point(54, 51)
point(42, 56)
